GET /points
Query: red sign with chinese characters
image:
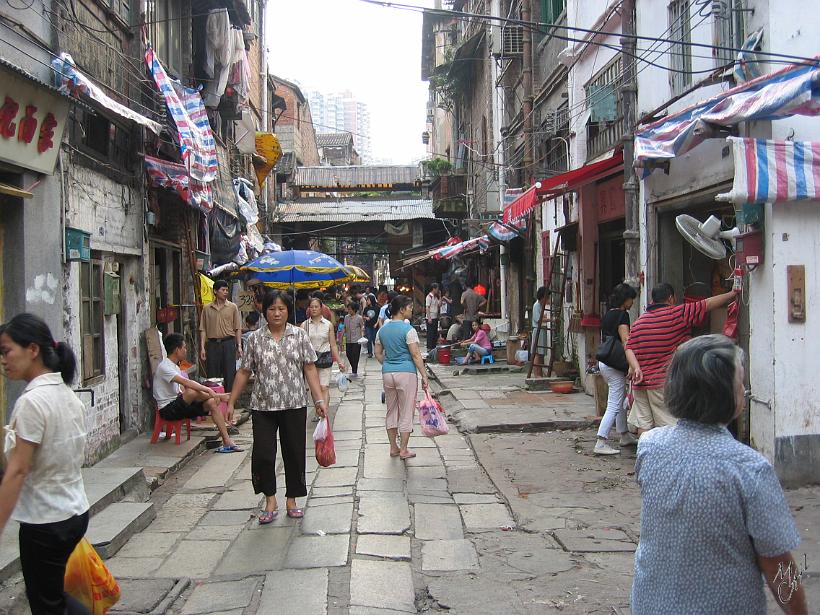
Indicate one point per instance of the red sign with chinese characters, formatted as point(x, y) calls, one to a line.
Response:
point(609, 199)
point(32, 123)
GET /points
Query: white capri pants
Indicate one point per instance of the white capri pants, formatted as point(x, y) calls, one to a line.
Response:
point(400, 389)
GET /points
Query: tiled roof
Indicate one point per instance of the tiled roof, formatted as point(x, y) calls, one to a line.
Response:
point(334, 139)
point(355, 211)
point(355, 176)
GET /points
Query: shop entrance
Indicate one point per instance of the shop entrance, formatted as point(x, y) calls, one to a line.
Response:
point(611, 255)
point(696, 276)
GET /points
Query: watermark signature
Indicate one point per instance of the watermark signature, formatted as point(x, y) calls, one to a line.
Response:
point(788, 578)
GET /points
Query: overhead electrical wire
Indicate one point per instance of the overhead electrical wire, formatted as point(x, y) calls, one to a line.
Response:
point(545, 27)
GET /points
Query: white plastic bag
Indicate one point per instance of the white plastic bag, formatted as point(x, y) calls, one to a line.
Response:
point(362, 341)
point(320, 433)
point(342, 382)
point(522, 356)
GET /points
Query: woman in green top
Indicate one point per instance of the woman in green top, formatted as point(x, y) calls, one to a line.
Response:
point(397, 349)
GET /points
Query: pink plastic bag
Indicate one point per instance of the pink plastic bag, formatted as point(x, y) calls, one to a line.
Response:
point(432, 418)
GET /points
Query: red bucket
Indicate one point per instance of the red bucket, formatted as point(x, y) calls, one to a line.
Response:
point(444, 356)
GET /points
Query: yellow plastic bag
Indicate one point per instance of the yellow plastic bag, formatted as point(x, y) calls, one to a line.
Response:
point(88, 580)
point(206, 289)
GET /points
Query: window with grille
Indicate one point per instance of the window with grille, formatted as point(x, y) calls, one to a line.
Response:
point(606, 124)
point(551, 10)
point(165, 19)
point(122, 8)
point(729, 30)
point(680, 52)
point(91, 318)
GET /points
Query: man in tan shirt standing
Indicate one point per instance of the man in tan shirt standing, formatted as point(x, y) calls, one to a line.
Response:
point(220, 335)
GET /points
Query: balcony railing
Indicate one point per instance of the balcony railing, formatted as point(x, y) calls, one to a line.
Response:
point(602, 137)
point(449, 194)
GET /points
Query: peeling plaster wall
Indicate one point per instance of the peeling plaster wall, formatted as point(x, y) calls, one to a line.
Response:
point(113, 214)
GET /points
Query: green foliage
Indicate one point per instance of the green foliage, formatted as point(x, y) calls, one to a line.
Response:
point(436, 166)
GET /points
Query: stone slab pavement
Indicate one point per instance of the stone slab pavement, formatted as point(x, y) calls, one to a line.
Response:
point(499, 402)
point(518, 523)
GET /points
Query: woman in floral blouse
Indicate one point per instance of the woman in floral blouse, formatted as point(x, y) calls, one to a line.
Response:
point(282, 358)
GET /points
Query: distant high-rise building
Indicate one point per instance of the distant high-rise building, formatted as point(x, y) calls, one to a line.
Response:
point(342, 112)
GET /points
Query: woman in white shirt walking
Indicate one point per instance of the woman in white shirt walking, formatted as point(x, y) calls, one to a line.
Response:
point(323, 339)
point(42, 488)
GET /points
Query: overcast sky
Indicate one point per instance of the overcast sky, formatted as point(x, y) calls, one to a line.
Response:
point(375, 52)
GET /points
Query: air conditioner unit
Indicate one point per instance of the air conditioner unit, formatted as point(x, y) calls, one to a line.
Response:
point(512, 41)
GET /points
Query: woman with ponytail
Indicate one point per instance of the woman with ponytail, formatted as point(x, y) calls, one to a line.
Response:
point(42, 487)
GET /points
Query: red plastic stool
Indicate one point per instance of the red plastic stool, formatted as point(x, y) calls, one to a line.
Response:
point(160, 424)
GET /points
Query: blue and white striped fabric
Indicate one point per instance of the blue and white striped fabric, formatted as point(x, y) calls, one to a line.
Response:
point(774, 171)
point(196, 141)
point(794, 90)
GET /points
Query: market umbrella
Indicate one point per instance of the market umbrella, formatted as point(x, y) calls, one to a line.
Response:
point(297, 269)
point(358, 274)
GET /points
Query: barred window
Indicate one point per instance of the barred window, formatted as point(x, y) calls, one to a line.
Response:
point(680, 52)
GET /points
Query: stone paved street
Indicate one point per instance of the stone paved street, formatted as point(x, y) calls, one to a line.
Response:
point(374, 526)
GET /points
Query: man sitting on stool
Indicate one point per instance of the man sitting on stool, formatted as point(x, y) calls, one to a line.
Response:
point(179, 398)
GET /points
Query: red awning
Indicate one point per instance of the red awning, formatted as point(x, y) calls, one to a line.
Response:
point(559, 184)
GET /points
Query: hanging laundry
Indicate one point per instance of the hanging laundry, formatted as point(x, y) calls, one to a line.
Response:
point(215, 88)
point(241, 77)
point(219, 41)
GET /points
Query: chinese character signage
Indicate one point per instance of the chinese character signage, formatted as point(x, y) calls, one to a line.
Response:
point(32, 122)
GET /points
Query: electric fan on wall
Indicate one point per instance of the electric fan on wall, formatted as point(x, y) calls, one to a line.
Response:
point(706, 237)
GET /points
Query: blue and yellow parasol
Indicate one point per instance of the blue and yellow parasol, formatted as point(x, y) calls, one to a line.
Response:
point(297, 269)
point(357, 274)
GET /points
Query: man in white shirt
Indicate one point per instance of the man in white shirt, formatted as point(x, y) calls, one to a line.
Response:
point(432, 309)
point(180, 398)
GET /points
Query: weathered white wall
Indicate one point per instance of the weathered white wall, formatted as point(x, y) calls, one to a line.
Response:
point(113, 214)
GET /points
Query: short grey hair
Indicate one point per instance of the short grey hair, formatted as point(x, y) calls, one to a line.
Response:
point(700, 382)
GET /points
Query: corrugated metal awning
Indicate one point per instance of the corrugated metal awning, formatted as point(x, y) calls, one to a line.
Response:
point(355, 177)
point(356, 211)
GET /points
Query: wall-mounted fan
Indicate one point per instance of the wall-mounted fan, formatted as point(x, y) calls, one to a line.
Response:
point(706, 237)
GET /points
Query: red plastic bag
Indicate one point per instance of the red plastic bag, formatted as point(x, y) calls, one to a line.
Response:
point(89, 581)
point(323, 443)
point(432, 418)
point(730, 326)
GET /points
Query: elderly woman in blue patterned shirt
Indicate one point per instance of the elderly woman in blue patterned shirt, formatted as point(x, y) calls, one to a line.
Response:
point(713, 517)
point(282, 358)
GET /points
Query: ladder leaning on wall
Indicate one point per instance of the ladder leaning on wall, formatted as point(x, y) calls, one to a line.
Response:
point(550, 321)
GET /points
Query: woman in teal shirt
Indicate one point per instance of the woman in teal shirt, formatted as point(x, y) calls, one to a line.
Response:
point(397, 349)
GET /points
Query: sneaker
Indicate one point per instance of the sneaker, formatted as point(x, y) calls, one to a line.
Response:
point(627, 439)
point(602, 448)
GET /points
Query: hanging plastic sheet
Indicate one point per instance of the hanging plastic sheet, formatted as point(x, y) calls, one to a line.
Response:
point(246, 201)
point(225, 236)
point(774, 171)
point(71, 81)
point(196, 141)
point(174, 176)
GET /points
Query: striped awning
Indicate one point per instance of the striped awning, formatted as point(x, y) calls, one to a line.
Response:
point(793, 90)
point(774, 171)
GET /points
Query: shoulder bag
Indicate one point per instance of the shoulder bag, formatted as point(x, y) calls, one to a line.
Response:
point(611, 352)
point(323, 359)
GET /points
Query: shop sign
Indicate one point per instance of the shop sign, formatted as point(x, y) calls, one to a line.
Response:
point(246, 301)
point(609, 198)
point(32, 123)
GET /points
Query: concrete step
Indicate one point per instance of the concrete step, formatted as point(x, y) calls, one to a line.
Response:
point(104, 486)
point(111, 528)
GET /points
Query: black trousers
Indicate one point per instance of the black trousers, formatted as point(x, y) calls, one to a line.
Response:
point(353, 352)
point(432, 334)
point(467, 329)
point(220, 360)
point(291, 427)
point(44, 552)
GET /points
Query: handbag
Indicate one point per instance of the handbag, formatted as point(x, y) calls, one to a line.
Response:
point(611, 352)
point(323, 359)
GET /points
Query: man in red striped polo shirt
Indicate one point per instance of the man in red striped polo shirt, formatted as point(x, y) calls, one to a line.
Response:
point(653, 340)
